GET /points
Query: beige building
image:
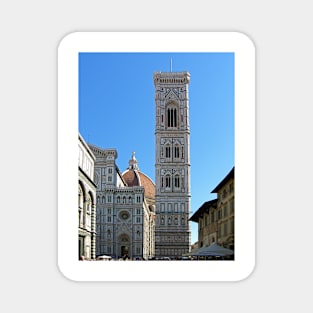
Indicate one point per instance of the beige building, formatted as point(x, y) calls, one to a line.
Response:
point(125, 208)
point(86, 202)
point(216, 217)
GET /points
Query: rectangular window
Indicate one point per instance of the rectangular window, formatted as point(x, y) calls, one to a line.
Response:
point(232, 226)
point(225, 210)
point(225, 229)
point(232, 206)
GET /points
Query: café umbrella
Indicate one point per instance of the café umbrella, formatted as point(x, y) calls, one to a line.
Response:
point(213, 250)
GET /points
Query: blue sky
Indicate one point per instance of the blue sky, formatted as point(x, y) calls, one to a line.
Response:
point(117, 110)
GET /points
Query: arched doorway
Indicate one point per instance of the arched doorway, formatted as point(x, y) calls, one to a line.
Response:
point(124, 246)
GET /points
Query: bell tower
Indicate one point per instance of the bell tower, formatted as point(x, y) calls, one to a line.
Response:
point(172, 163)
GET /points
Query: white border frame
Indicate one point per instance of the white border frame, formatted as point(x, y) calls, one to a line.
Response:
point(68, 51)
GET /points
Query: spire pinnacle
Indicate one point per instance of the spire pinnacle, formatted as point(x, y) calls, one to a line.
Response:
point(132, 163)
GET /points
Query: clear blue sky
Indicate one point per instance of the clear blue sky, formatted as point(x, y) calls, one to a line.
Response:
point(117, 110)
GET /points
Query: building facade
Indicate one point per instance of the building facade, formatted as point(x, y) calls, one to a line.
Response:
point(86, 202)
point(172, 164)
point(125, 208)
point(225, 191)
point(216, 218)
point(205, 216)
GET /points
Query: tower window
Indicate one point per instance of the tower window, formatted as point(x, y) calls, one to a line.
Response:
point(171, 117)
point(176, 152)
point(168, 152)
point(176, 181)
point(167, 181)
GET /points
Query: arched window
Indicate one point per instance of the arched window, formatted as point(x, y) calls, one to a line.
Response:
point(167, 181)
point(80, 206)
point(176, 152)
point(168, 152)
point(118, 200)
point(176, 181)
point(88, 204)
point(171, 120)
point(80, 198)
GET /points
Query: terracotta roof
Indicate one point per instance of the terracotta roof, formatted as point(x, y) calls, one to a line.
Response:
point(131, 178)
point(137, 178)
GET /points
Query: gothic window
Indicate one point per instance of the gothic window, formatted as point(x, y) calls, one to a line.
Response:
point(124, 199)
point(168, 152)
point(176, 152)
point(162, 220)
point(162, 181)
point(176, 181)
point(183, 220)
point(171, 117)
point(129, 199)
point(118, 199)
point(167, 181)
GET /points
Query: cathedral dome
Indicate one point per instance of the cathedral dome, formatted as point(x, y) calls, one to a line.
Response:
point(133, 177)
